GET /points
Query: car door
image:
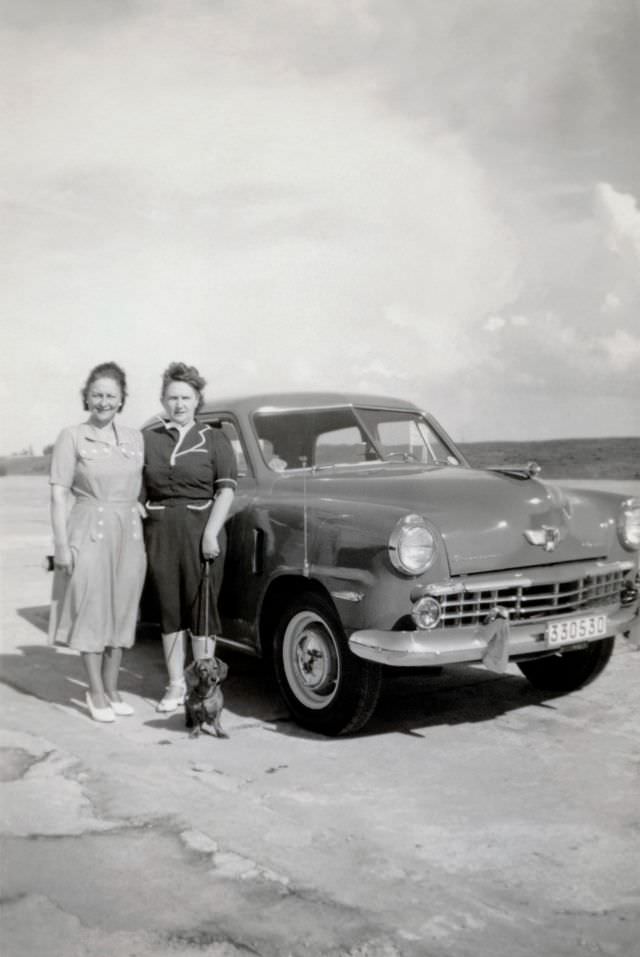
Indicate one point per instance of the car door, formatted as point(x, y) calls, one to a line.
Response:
point(238, 597)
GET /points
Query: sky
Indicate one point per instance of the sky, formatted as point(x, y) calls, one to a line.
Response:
point(430, 199)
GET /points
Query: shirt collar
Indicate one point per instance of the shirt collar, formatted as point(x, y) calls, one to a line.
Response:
point(173, 426)
point(92, 434)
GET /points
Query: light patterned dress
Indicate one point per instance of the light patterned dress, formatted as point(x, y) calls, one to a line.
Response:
point(97, 605)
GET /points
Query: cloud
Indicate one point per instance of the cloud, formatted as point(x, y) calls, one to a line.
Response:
point(376, 374)
point(560, 356)
point(623, 351)
point(610, 303)
point(179, 205)
point(316, 195)
point(620, 219)
point(496, 323)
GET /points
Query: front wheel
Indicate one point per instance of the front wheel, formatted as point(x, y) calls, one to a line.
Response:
point(568, 671)
point(326, 687)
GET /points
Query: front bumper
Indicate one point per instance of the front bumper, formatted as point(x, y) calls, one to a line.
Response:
point(477, 643)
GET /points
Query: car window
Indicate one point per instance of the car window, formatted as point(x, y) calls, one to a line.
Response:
point(294, 435)
point(406, 436)
point(344, 436)
point(229, 429)
point(403, 438)
point(342, 447)
point(271, 457)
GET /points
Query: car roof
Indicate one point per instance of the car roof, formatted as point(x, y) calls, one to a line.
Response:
point(287, 401)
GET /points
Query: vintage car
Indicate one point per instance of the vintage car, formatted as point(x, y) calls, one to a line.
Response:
point(361, 538)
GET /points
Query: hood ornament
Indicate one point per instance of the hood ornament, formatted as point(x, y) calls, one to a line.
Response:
point(528, 471)
point(548, 536)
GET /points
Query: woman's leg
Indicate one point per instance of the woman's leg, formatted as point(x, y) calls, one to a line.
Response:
point(174, 656)
point(203, 647)
point(204, 609)
point(110, 671)
point(92, 661)
point(110, 674)
point(174, 651)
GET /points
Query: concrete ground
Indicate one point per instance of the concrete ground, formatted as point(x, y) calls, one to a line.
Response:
point(473, 816)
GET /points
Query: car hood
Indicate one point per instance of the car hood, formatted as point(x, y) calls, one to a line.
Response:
point(488, 520)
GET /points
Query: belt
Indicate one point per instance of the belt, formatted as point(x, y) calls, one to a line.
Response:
point(102, 505)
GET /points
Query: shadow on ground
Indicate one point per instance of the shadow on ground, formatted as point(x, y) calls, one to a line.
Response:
point(410, 703)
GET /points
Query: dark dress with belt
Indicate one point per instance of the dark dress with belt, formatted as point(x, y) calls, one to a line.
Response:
point(183, 472)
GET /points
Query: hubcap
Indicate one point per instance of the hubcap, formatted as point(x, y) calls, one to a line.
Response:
point(311, 660)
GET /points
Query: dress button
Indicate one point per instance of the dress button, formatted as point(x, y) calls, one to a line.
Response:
point(101, 509)
point(100, 522)
point(100, 535)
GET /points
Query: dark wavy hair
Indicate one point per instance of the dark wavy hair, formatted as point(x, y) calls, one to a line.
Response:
point(181, 372)
point(106, 370)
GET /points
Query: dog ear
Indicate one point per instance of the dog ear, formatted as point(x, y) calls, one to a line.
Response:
point(223, 669)
point(190, 676)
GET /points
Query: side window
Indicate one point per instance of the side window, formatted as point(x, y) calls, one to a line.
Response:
point(229, 429)
point(402, 437)
point(340, 447)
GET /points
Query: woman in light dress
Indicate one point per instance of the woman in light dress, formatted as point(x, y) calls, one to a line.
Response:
point(99, 552)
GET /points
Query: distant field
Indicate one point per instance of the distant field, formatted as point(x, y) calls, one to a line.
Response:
point(563, 458)
point(24, 464)
point(558, 458)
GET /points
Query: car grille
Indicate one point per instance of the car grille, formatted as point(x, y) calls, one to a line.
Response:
point(528, 602)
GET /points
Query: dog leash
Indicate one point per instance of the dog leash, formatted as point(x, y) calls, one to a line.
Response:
point(207, 566)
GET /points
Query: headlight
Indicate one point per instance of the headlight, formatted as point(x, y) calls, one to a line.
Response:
point(629, 524)
point(411, 545)
point(426, 612)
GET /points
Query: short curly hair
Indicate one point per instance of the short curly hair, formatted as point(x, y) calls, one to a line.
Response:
point(181, 372)
point(106, 370)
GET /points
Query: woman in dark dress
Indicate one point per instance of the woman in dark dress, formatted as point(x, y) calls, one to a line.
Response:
point(189, 481)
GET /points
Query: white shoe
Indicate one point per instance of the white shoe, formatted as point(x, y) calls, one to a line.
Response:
point(99, 714)
point(120, 707)
point(173, 697)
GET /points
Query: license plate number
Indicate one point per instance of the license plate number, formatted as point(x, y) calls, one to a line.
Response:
point(576, 629)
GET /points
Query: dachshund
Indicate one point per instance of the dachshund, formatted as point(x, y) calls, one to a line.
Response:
point(204, 700)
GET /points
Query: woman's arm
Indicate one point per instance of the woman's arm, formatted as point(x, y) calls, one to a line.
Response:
point(63, 556)
point(221, 505)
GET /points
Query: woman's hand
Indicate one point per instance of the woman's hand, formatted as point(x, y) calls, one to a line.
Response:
point(210, 547)
point(221, 505)
point(64, 559)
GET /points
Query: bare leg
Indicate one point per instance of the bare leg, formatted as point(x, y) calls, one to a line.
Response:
point(92, 661)
point(110, 671)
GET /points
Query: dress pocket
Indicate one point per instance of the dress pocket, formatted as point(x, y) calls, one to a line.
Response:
point(155, 513)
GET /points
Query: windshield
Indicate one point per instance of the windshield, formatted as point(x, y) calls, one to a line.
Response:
point(406, 436)
point(291, 439)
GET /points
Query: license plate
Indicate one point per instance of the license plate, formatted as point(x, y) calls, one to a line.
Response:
point(576, 629)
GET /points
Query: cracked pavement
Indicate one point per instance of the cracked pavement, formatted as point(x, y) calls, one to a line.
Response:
point(473, 816)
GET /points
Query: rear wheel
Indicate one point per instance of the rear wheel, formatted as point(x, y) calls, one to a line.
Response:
point(327, 688)
point(570, 670)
